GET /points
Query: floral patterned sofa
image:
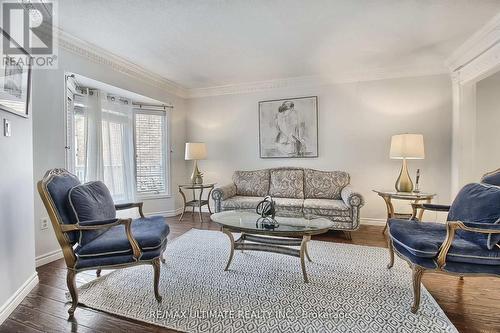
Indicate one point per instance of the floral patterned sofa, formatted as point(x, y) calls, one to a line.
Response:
point(296, 190)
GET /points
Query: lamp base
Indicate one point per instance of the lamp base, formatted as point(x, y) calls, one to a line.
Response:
point(404, 183)
point(196, 176)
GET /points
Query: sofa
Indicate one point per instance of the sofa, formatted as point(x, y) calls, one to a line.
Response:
point(295, 190)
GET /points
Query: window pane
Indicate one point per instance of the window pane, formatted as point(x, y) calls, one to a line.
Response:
point(150, 152)
point(112, 151)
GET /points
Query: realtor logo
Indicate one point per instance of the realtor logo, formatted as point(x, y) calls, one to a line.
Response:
point(28, 33)
point(30, 25)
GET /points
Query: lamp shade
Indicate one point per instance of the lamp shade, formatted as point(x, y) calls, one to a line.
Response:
point(195, 151)
point(409, 146)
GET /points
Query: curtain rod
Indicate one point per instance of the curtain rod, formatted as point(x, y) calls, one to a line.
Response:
point(141, 105)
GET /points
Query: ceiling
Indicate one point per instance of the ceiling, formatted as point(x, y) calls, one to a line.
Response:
point(207, 43)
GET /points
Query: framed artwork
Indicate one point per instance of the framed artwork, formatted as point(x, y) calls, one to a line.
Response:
point(288, 128)
point(15, 82)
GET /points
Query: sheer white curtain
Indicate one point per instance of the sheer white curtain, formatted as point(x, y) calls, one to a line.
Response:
point(109, 144)
point(93, 156)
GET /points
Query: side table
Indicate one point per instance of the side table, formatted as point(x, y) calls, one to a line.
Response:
point(388, 196)
point(196, 202)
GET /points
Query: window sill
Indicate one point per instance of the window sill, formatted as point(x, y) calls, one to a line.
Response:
point(154, 196)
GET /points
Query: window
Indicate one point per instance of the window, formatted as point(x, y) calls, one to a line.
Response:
point(150, 152)
point(125, 147)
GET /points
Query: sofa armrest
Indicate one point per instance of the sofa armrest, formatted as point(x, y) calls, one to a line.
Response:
point(351, 198)
point(224, 192)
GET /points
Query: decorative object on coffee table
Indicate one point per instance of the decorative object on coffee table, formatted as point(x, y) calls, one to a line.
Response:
point(247, 223)
point(288, 127)
point(266, 208)
point(415, 197)
point(406, 147)
point(196, 151)
point(196, 202)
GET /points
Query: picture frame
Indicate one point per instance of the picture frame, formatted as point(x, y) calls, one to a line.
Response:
point(288, 128)
point(15, 81)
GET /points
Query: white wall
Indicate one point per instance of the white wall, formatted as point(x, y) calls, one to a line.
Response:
point(49, 136)
point(487, 141)
point(356, 121)
point(17, 248)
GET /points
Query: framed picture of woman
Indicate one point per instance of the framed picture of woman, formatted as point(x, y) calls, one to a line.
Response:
point(288, 128)
point(15, 81)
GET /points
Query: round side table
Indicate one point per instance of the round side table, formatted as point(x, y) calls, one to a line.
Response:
point(388, 196)
point(197, 201)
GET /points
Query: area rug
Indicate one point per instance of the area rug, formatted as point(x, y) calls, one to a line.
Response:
point(350, 290)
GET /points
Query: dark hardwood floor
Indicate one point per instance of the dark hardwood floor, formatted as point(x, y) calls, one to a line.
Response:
point(473, 305)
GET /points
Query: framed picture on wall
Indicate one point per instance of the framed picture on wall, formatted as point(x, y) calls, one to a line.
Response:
point(288, 128)
point(15, 81)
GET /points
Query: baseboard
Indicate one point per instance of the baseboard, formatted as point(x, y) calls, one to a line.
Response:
point(372, 221)
point(166, 213)
point(10, 305)
point(48, 257)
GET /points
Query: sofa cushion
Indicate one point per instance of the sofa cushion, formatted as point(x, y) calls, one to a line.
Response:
point(287, 183)
point(424, 239)
point(324, 184)
point(289, 205)
point(252, 183)
point(326, 207)
point(150, 233)
point(477, 203)
point(240, 202)
point(91, 202)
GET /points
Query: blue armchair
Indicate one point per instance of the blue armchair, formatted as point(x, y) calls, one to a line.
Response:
point(468, 244)
point(91, 237)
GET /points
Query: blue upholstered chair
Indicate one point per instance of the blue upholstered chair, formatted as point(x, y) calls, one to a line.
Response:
point(468, 244)
point(91, 237)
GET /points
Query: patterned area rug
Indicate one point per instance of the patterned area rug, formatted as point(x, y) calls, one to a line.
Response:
point(350, 290)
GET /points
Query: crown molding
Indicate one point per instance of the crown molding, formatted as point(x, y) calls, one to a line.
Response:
point(317, 81)
point(100, 56)
point(486, 38)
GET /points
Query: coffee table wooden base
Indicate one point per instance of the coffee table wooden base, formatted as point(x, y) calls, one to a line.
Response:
point(270, 244)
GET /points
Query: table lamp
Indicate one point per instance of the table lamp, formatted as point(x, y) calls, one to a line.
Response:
point(406, 147)
point(196, 151)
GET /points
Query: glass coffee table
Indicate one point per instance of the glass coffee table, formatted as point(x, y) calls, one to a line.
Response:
point(271, 235)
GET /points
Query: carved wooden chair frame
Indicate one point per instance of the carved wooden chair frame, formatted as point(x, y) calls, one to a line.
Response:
point(418, 271)
point(61, 230)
